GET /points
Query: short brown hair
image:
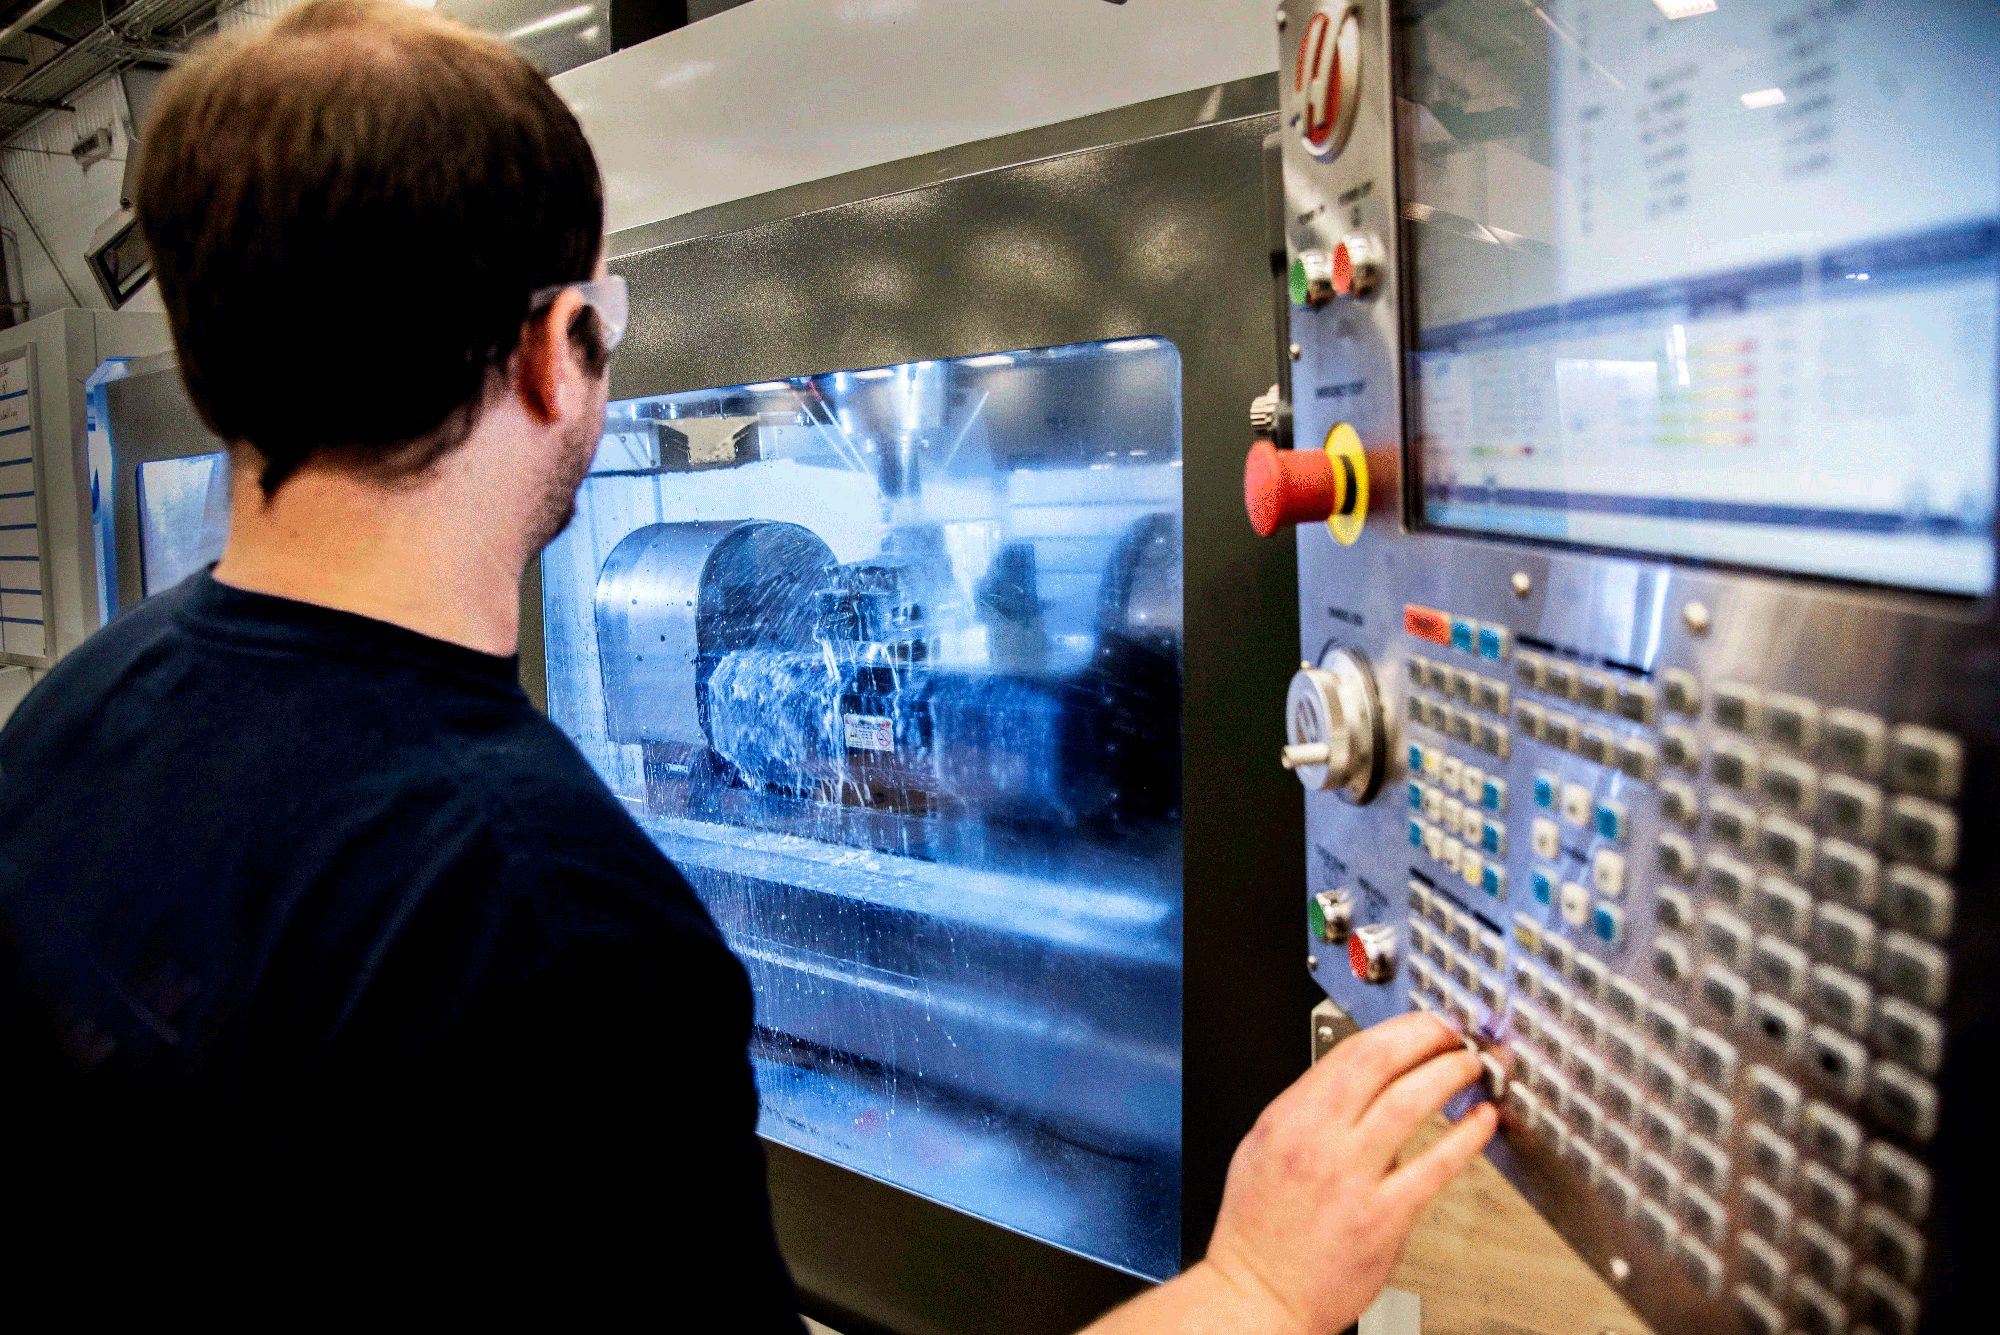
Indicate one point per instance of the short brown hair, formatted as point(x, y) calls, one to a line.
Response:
point(348, 214)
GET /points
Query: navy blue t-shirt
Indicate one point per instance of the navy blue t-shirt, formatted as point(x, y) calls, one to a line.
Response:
point(325, 958)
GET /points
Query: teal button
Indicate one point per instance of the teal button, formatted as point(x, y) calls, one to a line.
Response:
point(1490, 798)
point(1489, 642)
point(1609, 924)
point(1490, 841)
point(1545, 791)
point(1544, 888)
point(1416, 834)
point(1495, 881)
point(1416, 758)
point(1610, 820)
point(1461, 634)
point(1416, 795)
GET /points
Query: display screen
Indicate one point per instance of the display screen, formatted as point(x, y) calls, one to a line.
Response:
point(183, 517)
point(1710, 280)
point(887, 661)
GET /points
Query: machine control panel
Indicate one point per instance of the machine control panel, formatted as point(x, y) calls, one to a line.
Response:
point(1680, 732)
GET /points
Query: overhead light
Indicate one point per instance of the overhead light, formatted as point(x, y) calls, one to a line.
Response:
point(1763, 97)
point(1131, 344)
point(560, 19)
point(990, 359)
point(1685, 9)
point(877, 373)
point(766, 386)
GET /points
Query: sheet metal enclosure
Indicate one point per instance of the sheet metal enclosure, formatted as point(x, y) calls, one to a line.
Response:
point(1905, 658)
point(1085, 232)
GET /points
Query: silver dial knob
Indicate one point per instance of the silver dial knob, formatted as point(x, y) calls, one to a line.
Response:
point(1264, 413)
point(1333, 727)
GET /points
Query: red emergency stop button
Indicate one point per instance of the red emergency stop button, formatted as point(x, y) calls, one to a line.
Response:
point(1284, 487)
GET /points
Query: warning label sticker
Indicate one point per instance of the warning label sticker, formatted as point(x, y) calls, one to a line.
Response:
point(870, 732)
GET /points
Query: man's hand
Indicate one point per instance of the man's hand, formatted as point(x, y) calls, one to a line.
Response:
point(1316, 1208)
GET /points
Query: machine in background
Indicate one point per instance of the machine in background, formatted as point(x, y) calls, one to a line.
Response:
point(1642, 368)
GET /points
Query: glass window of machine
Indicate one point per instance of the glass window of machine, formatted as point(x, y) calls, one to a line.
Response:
point(888, 662)
point(1715, 281)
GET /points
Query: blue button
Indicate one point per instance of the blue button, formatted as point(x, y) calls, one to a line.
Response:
point(1416, 834)
point(1489, 642)
point(1544, 890)
point(1545, 790)
point(1416, 759)
point(1610, 820)
point(1495, 880)
point(1492, 797)
point(1609, 924)
point(1416, 795)
point(1461, 634)
point(1490, 840)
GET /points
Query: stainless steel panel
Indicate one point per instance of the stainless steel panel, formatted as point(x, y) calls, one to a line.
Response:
point(150, 417)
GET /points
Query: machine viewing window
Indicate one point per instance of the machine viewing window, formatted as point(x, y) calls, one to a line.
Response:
point(888, 662)
point(183, 516)
point(1710, 281)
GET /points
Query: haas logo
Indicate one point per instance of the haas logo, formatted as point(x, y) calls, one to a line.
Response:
point(1328, 80)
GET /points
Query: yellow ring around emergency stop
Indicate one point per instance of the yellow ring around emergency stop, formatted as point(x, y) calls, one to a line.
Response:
point(1350, 484)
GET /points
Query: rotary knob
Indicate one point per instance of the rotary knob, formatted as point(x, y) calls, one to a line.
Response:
point(1333, 727)
point(1264, 413)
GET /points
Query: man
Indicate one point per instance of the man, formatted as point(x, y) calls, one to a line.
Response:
point(324, 958)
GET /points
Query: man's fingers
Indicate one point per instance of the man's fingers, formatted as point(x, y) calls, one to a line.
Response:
point(1417, 1094)
point(1411, 1186)
point(1342, 1085)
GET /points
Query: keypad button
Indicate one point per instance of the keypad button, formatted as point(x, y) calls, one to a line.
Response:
point(1657, 1226)
point(1729, 881)
point(1463, 685)
point(1734, 765)
point(1664, 1078)
point(1549, 1127)
point(1594, 690)
point(1676, 857)
point(1681, 691)
point(1908, 1036)
point(1708, 1112)
point(1662, 1129)
point(1884, 1304)
point(1737, 707)
point(1493, 838)
point(1732, 823)
point(1903, 1101)
point(1791, 721)
point(1576, 805)
point(1703, 1215)
point(1559, 730)
point(1840, 999)
point(1575, 903)
point(1713, 1057)
point(1924, 761)
point(1680, 749)
point(1582, 1158)
point(1782, 908)
point(1677, 803)
point(1788, 846)
point(1622, 1100)
point(1855, 741)
point(1725, 993)
point(1791, 785)
point(1772, 1157)
point(1832, 1137)
point(1892, 1245)
point(1843, 937)
point(1492, 696)
point(1529, 720)
point(1911, 969)
point(1917, 902)
point(1922, 832)
point(1757, 1314)
point(1827, 1197)
point(1415, 667)
point(1666, 1025)
point(1779, 1022)
point(1586, 1071)
point(1556, 953)
point(1779, 966)
point(1619, 1192)
point(1672, 908)
point(1657, 1177)
point(1528, 670)
point(1819, 1312)
point(1897, 1181)
point(1635, 700)
point(1559, 679)
point(1707, 1165)
point(1727, 937)
point(1767, 1212)
point(1471, 779)
point(1494, 740)
point(1764, 1266)
point(1546, 839)
point(1493, 795)
point(1851, 808)
point(1607, 872)
point(1847, 875)
point(1556, 997)
point(1839, 1061)
point(1823, 1256)
point(1585, 1117)
point(1627, 1000)
point(1591, 977)
point(1639, 759)
point(1597, 746)
point(1552, 1086)
point(1607, 924)
point(1670, 959)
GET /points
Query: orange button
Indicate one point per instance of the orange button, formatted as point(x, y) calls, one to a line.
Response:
point(1427, 623)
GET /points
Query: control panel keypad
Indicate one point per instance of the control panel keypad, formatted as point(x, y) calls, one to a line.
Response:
point(1753, 1088)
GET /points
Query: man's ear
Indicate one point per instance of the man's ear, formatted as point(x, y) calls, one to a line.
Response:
point(545, 372)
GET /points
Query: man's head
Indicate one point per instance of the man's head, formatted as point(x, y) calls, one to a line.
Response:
point(349, 215)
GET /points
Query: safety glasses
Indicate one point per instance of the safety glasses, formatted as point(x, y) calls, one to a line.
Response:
point(607, 296)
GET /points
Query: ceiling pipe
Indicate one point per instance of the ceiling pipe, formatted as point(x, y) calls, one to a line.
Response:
point(35, 14)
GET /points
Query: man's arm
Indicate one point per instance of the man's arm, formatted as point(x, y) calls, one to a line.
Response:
point(1316, 1208)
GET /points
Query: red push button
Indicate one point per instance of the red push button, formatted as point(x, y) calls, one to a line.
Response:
point(1283, 487)
point(1426, 623)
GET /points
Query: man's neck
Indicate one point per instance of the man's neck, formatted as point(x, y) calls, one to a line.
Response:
point(433, 555)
